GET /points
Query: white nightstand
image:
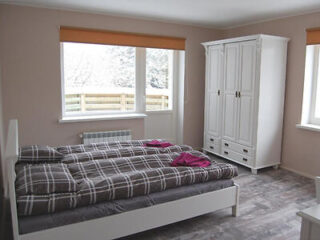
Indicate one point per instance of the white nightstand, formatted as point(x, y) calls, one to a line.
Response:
point(310, 224)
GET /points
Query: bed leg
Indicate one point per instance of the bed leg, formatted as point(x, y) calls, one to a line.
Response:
point(235, 208)
point(235, 211)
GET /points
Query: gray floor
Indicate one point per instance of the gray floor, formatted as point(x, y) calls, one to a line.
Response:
point(268, 205)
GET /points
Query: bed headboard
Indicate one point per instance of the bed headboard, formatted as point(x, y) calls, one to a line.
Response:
point(11, 157)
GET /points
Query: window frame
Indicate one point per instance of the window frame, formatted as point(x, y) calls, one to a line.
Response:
point(140, 90)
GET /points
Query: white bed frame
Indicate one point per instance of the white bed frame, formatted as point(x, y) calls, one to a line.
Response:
point(122, 224)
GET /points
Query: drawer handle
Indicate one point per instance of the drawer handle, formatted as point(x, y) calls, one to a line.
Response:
point(244, 159)
point(245, 150)
point(211, 139)
point(226, 144)
point(225, 152)
point(211, 147)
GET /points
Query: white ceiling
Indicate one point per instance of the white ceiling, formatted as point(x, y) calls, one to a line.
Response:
point(206, 13)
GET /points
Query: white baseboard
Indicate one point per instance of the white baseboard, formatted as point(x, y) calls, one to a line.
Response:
point(198, 149)
point(298, 172)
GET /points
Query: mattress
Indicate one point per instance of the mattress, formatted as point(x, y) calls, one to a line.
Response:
point(28, 224)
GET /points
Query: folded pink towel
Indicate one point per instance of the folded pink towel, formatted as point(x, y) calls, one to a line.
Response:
point(187, 159)
point(156, 143)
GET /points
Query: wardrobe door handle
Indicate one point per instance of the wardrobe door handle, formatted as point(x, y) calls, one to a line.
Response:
point(236, 93)
point(225, 152)
point(211, 139)
point(226, 144)
point(245, 150)
point(211, 147)
point(244, 159)
point(218, 92)
point(239, 95)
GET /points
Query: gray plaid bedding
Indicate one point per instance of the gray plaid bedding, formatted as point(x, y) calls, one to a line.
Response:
point(45, 179)
point(122, 152)
point(35, 153)
point(88, 178)
point(102, 146)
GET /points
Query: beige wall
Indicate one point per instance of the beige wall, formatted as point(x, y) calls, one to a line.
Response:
point(301, 148)
point(1, 137)
point(30, 55)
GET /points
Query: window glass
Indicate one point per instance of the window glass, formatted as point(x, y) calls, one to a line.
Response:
point(158, 79)
point(317, 103)
point(98, 78)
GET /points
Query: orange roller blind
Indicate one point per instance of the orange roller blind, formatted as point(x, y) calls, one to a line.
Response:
point(81, 35)
point(313, 36)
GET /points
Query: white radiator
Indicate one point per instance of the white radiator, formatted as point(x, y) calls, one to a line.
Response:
point(106, 136)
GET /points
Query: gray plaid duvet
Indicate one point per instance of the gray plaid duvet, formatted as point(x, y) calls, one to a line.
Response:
point(122, 152)
point(101, 146)
point(85, 178)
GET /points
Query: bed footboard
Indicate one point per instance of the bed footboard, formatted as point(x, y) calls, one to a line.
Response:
point(143, 219)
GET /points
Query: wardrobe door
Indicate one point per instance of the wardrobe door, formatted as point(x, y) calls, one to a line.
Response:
point(231, 67)
point(213, 91)
point(246, 92)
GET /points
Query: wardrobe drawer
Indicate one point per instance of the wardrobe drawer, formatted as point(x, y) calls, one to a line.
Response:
point(247, 151)
point(239, 158)
point(212, 140)
point(214, 148)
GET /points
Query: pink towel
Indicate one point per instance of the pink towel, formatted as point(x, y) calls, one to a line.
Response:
point(187, 159)
point(156, 143)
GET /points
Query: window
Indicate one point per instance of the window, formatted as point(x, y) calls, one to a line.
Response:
point(311, 95)
point(98, 78)
point(159, 79)
point(310, 118)
point(315, 94)
point(101, 79)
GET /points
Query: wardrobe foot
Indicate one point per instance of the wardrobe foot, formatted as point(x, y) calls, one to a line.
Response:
point(276, 167)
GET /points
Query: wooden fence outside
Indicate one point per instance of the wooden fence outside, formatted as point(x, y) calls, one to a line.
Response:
point(112, 102)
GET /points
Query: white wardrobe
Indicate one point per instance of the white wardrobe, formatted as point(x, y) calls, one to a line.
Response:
point(244, 99)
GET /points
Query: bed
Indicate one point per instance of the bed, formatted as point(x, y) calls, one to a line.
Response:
point(109, 190)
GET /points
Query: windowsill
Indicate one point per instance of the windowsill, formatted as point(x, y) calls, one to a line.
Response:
point(159, 111)
point(310, 127)
point(72, 119)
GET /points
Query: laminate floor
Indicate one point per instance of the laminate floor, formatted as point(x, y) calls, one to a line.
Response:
point(269, 202)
